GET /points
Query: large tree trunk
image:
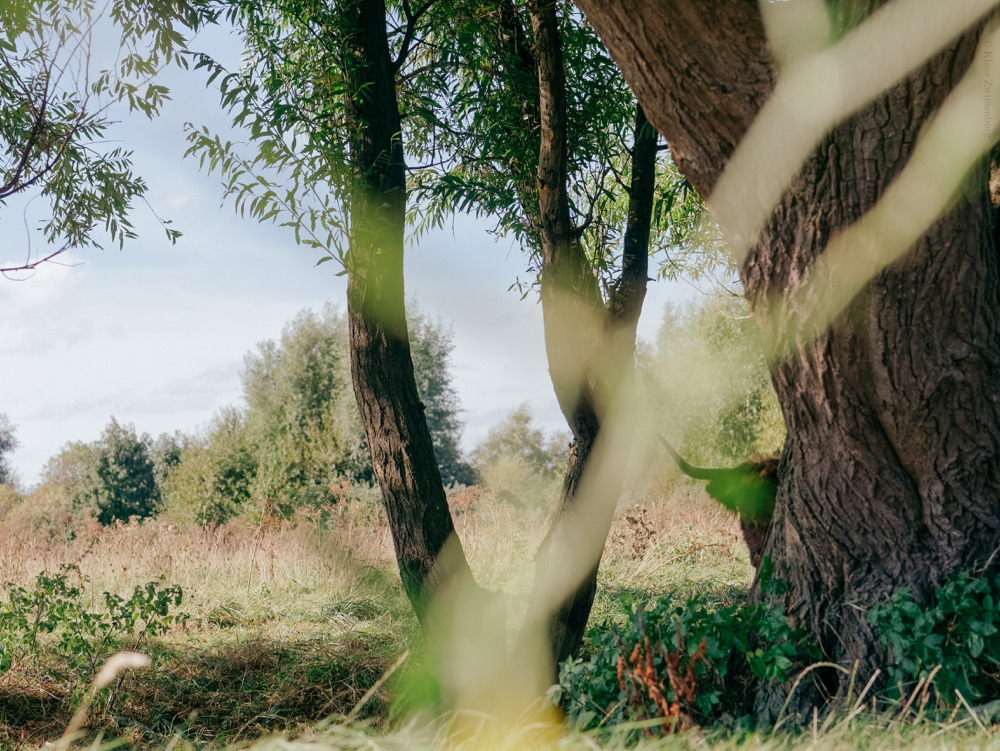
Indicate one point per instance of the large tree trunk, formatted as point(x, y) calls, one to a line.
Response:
point(891, 469)
point(428, 552)
point(893, 454)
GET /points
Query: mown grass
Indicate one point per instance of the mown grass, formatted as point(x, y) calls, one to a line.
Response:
point(292, 623)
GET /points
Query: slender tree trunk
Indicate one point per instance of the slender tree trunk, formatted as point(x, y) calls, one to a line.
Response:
point(590, 347)
point(891, 470)
point(428, 552)
point(629, 294)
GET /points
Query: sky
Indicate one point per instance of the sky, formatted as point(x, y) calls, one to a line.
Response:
point(155, 334)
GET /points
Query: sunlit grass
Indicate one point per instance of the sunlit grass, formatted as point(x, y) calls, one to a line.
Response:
point(295, 621)
point(291, 629)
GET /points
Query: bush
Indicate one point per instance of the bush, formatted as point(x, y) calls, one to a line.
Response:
point(213, 479)
point(120, 478)
point(81, 638)
point(49, 508)
point(298, 436)
point(10, 499)
point(8, 442)
point(672, 661)
point(114, 478)
point(955, 640)
point(517, 483)
point(726, 415)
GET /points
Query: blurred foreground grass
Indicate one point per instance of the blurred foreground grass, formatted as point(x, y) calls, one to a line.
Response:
point(293, 622)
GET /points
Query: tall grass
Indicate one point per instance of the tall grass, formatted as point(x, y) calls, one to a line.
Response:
point(294, 619)
point(293, 622)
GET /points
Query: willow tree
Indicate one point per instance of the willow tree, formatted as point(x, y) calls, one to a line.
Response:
point(57, 103)
point(332, 94)
point(321, 97)
point(539, 132)
point(841, 146)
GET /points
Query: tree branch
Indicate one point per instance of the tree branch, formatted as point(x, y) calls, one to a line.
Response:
point(411, 29)
point(32, 265)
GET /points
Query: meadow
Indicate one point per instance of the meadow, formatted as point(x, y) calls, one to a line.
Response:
point(294, 633)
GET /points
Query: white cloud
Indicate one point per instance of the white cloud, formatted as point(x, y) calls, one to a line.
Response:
point(155, 335)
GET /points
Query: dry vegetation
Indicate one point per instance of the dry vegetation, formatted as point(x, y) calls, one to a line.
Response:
point(292, 620)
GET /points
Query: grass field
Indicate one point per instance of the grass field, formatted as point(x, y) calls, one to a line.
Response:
point(292, 624)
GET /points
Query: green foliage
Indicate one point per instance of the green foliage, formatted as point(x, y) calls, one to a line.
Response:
point(50, 626)
point(480, 144)
point(300, 417)
point(517, 437)
point(55, 110)
point(430, 349)
point(166, 452)
point(710, 353)
point(691, 243)
point(298, 436)
point(467, 87)
point(8, 442)
point(114, 477)
point(213, 479)
point(956, 638)
point(698, 641)
point(10, 499)
point(49, 507)
point(119, 479)
point(289, 97)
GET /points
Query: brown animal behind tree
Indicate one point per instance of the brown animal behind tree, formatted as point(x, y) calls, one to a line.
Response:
point(748, 490)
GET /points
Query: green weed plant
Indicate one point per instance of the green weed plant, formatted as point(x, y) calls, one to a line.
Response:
point(954, 641)
point(670, 661)
point(49, 625)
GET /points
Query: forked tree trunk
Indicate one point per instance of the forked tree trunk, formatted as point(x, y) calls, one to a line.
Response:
point(891, 469)
point(590, 345)
point(428, 552)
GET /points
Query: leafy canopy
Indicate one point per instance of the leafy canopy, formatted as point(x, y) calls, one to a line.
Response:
point(56, 105)
point(117, 477)
point(467, 87)
point(298, 436)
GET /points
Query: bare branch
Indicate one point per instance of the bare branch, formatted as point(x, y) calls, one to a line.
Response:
point(7, 271)
point(411, 29)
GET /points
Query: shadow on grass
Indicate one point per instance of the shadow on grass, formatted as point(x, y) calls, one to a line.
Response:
point(218, 687)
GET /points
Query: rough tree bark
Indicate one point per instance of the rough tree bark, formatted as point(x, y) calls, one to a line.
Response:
point(428, 552)
point(590, 345)
point(891, 469)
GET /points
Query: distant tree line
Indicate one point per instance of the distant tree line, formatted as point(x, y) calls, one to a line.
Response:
point(295, 439)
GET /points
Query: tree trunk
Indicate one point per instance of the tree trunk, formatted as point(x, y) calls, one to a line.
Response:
point(590, 347)
point(571, 308)
point(428, 552)
point(893, 454)
point(891, 469)
point(618, 329)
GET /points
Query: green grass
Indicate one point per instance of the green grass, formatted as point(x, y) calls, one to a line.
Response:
point(289, 636)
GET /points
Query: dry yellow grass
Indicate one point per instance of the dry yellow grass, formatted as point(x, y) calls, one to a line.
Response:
point(327, 548)
point(294, 619)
